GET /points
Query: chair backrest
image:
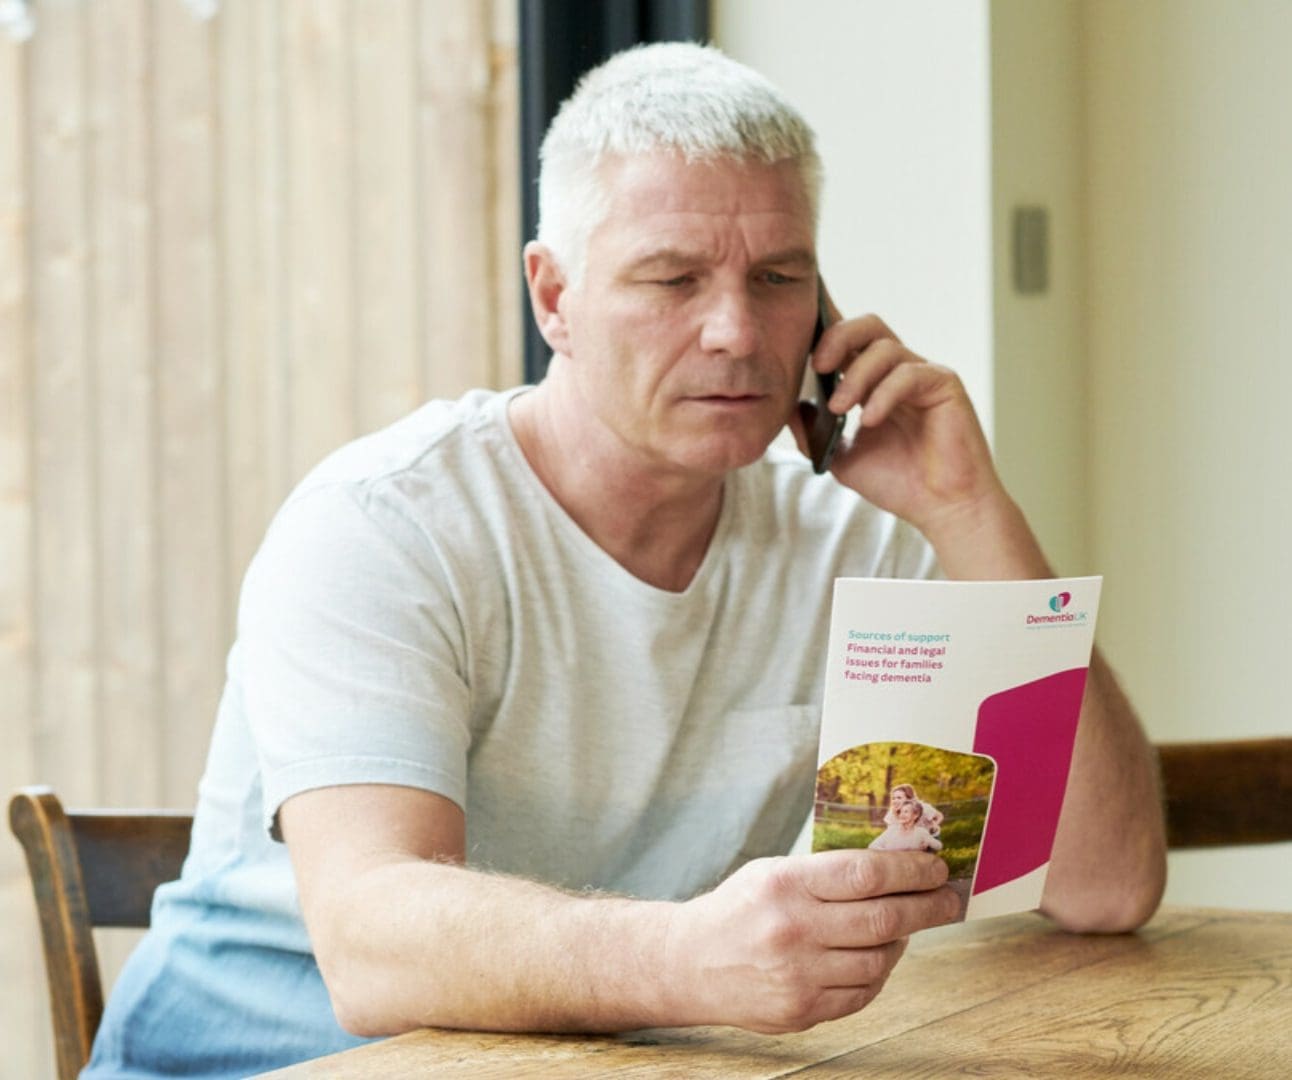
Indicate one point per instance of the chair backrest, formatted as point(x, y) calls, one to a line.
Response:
point(1227, 793)
point(89, 868)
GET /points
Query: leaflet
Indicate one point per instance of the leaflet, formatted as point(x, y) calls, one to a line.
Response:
point(948, 725)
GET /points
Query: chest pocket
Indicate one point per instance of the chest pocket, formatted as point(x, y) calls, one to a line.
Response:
point(771, 754)
point(783, 778)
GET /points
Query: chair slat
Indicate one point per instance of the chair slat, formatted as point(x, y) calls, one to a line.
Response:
point(89, 868)
point(1227, 793)
point(124, 857)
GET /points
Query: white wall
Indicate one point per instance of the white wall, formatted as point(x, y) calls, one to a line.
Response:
point(898, 95)
point(1040, 357)
point(1189, 158)
point(1136, 406)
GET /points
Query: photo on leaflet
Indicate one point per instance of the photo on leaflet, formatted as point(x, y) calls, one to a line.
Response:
point(901, 796)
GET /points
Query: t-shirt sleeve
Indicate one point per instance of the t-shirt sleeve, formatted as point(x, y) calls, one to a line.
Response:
point(351, 652)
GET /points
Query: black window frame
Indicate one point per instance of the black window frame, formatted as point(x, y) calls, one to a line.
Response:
point(559, 41)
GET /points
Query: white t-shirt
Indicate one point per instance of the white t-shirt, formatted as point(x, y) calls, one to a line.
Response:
point(422, 612)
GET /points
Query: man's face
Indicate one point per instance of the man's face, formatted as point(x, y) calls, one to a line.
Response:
point(688, 332)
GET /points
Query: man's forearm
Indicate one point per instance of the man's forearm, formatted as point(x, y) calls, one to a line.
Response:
point(415, 943)
point(1108, 867)
point(406, 937)
point(988, 541)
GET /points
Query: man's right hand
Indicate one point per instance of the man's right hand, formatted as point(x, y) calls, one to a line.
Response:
point(407, 937)
point(786, 943)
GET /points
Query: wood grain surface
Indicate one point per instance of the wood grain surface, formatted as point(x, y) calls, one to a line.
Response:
point(1196, 993)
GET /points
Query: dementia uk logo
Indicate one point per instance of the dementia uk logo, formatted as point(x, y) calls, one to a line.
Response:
point(1062, 616)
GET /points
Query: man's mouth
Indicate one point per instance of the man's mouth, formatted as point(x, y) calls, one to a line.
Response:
point(726, 397)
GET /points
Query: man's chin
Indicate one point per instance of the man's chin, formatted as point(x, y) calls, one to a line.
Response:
point(717, 455)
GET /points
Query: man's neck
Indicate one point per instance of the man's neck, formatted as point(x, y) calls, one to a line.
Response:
point(656, 523)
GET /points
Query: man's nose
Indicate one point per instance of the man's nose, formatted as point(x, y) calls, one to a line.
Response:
point(730, 325)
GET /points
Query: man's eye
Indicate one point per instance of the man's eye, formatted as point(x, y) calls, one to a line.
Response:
point(674, 282)
point(775, 277)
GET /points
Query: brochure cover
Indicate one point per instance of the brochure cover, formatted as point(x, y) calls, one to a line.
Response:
point(949, 719)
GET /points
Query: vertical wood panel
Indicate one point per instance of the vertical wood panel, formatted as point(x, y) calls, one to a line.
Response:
point(388, 382)
point(17, 494)
point(191, 388)
point(224, 245)
point(250, 153)
point(504, 181)
point(130, 764)
point(319, 191)
point(63, 418)
point(458, 287)
point(121, 345)
point(24, 1016)
point(25, 1025)
point(271, 177)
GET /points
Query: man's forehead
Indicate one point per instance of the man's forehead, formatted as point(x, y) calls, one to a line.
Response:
point(662, 208)
point(664, 183)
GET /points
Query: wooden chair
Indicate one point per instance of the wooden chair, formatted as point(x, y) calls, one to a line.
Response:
point(1227, 793)
point(89, 868)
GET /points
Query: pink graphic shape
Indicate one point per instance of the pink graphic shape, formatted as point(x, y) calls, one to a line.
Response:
point(1029, 730)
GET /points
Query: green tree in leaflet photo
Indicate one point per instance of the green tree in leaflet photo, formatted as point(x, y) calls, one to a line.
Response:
point(859, 792)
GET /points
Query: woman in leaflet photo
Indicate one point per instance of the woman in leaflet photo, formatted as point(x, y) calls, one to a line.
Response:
point(906, 833)
point(931, 818)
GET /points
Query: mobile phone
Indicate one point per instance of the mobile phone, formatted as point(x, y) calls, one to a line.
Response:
point(825, 429)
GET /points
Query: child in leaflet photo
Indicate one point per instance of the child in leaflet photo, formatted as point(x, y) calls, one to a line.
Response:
point(930, 816)
point(911, 825)
point(906, 833)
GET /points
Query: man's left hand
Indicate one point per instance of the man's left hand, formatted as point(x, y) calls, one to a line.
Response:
point(919, 451)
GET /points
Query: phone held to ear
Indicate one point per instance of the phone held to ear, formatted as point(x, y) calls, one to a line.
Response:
point(825, 429)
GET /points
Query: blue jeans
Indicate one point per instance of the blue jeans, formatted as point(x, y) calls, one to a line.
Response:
point(207, 993)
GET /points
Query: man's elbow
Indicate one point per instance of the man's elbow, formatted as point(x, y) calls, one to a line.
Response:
point(1117, 908)
point(362, 990)
point(359, 1005)
point(359, 1021)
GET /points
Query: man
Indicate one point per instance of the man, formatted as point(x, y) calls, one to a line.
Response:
point(522, 714)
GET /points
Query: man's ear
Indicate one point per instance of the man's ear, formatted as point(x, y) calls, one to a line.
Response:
point(547, 284)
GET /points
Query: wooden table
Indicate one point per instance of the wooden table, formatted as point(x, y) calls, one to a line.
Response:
point(1197, 993)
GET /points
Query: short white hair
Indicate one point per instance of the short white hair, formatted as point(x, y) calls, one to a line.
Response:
point(672, 97)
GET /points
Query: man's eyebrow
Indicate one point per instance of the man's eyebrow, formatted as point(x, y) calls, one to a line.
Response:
point(678, 257)
point(665, 257)
point(790, 257)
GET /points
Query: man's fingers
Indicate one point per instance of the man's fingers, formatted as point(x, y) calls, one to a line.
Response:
point(923, 385)
point(870, 369)
point(858, 967)
point(851, 874)
point(840, 1001)
point(848, 338)
point(836, 1001)
point(866, 923)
